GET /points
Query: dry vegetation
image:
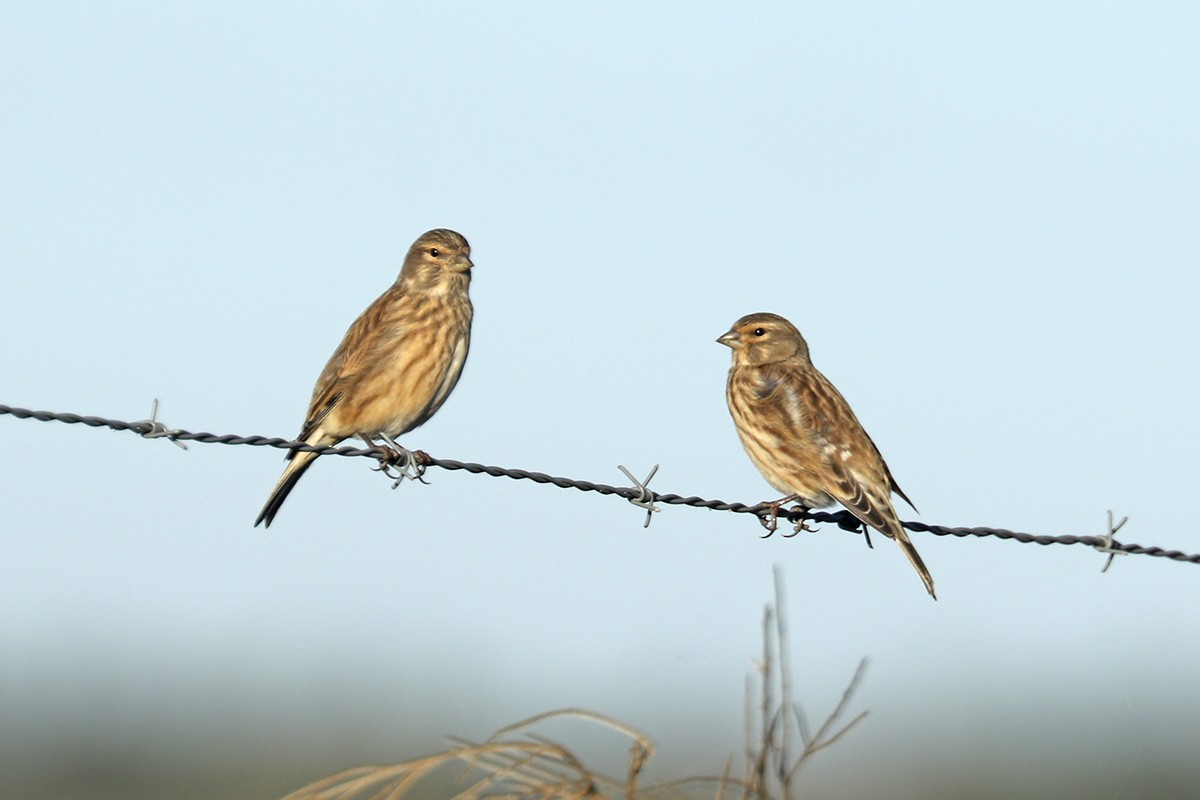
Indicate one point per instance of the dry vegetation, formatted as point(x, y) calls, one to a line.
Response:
point(517, 763)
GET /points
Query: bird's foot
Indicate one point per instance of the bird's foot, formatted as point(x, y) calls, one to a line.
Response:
point(408, 465)
point(399, 463)
point(801, 524)
point(771, 521)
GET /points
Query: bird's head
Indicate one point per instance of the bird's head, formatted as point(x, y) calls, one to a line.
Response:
point(764, 339)
point(437, 255)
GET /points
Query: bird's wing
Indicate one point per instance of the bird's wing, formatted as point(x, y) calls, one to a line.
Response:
point(848, 487)
point(353, 357)
point(854, 471)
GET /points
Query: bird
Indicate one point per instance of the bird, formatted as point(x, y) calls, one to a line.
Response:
point(801, 433)
point(397, 363)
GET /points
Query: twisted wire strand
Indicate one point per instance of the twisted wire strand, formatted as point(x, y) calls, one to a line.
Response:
point(843, 519)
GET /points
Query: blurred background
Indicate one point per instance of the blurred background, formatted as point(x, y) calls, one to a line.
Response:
point(984, 220)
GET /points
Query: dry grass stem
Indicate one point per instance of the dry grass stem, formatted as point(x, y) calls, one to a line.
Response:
point(519, 763)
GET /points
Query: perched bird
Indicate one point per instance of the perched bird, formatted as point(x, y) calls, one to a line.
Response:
point(800, 432)
point(397, 363)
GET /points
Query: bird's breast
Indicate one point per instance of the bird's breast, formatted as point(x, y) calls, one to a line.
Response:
point(410, 371)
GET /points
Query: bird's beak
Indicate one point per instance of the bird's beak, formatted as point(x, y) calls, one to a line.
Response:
point(463, 263)
point(730, 338)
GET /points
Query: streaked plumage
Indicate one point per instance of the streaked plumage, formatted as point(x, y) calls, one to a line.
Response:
point(399, 360)
point(800, 432)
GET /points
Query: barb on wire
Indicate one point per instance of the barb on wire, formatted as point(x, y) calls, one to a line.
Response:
point(645, 497)
point(840, 518)
point(155, 429)
point(1107, 545)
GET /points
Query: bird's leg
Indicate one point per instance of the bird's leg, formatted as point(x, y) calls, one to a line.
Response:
point(866, 532)
point(412, 468)
point(771, 521)
point(387, 459)
point(862, 528)
point(394, 457)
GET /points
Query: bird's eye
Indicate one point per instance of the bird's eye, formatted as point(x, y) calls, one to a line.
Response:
point(759, 332)
point(433, 251)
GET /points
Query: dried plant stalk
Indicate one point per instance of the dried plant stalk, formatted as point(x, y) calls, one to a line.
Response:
point(516, 763)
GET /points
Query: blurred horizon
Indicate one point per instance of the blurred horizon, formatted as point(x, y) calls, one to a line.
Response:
point(116, 741)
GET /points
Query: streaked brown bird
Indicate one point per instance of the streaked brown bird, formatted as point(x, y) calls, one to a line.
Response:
point(397, 363)
point(801, 434)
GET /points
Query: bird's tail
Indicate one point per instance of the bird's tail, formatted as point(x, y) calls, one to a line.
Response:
point(915, 559)
point(300, 462)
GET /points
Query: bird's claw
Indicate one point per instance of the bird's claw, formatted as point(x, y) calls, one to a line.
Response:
point(801, 524)
point(771, 521)
point(400, 464)
point(418, 462)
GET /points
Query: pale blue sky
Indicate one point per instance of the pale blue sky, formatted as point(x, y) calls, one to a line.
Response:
point(984, 220)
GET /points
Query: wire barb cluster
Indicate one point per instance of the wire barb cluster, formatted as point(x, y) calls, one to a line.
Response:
point(645, 497)
point(639, 494)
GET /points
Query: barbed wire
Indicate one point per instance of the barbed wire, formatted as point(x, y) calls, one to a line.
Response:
point(639, 494)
